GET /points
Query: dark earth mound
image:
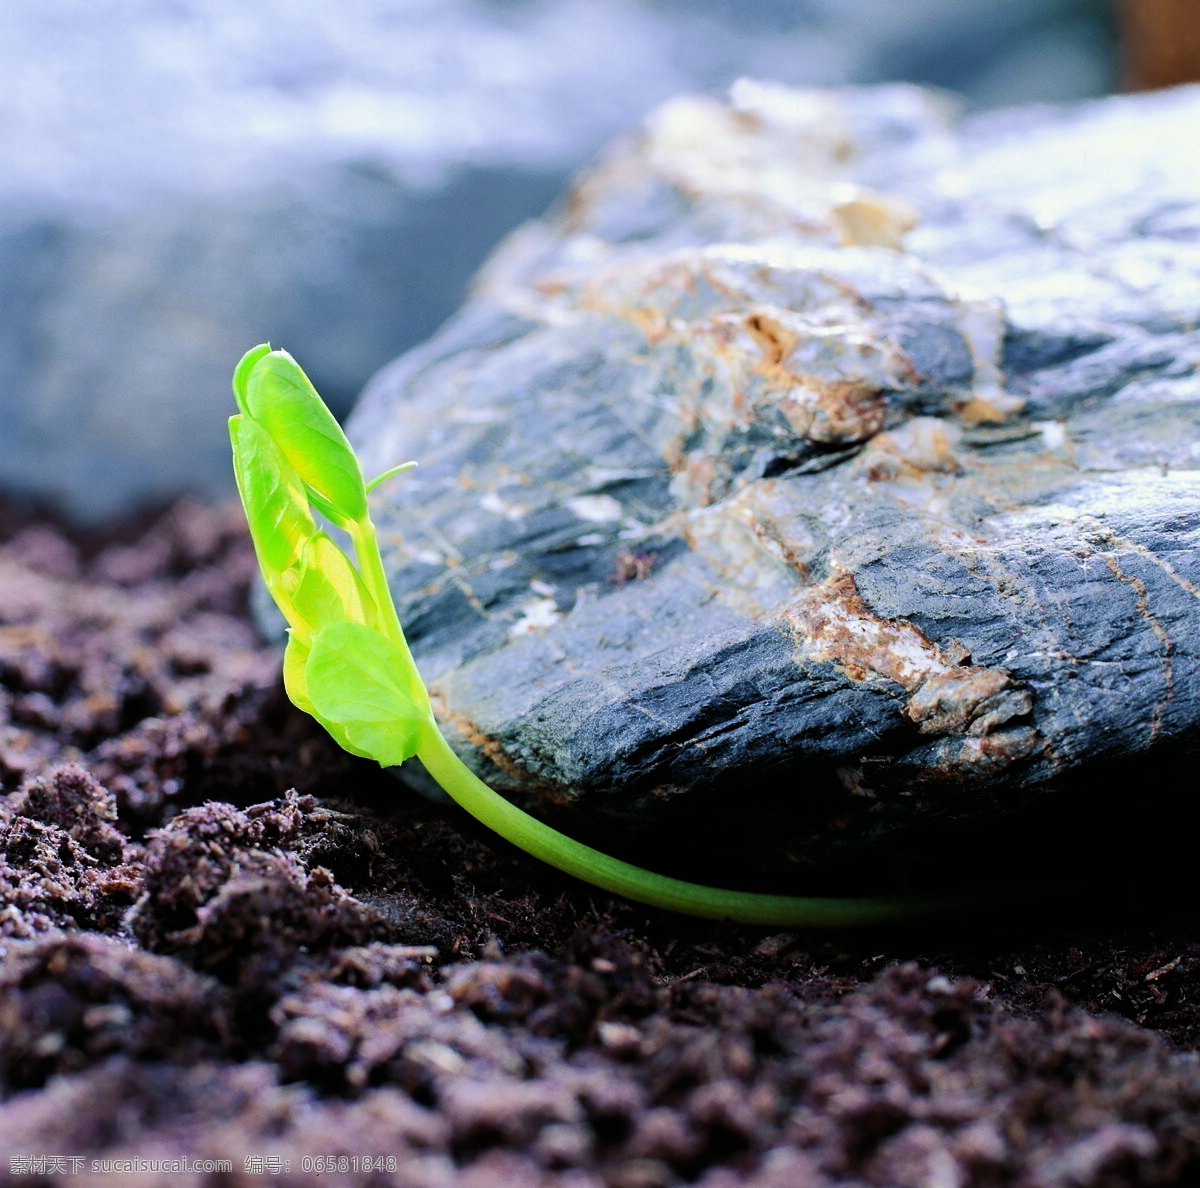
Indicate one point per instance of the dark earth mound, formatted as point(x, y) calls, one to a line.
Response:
point(225, 940)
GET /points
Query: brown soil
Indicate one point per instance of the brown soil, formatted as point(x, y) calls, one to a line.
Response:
point(224, 939)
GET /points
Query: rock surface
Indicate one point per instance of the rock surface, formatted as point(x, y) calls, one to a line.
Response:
point(825, 458)
point(180, 181)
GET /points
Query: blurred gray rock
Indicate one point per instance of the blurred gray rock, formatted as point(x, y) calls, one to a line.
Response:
point(181, 180)
point(825, 454)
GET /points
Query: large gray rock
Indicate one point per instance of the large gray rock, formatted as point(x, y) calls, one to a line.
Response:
point(179, 181)
point(824, 459)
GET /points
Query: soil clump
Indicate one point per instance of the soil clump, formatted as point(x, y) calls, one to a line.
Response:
point(225, 939)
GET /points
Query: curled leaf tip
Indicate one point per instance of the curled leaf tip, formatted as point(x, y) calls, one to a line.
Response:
point(241, 373)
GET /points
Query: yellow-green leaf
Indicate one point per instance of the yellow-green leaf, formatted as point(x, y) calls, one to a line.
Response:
point(295, 657)
point(295, 682)
point(357, 678)
point(326, 588)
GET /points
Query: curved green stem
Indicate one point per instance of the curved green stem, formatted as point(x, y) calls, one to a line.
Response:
point(623, 878)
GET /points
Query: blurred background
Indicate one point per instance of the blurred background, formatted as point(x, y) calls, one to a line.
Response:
point(180, 179)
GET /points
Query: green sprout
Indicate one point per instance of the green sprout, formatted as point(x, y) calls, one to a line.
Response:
point(348, 664)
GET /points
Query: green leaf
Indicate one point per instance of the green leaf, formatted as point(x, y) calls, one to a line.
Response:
point(325, 587)
point(278, 395)
point(277, 510)
point(358, 679)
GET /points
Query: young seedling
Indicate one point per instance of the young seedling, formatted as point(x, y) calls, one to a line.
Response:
point(348, 664)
